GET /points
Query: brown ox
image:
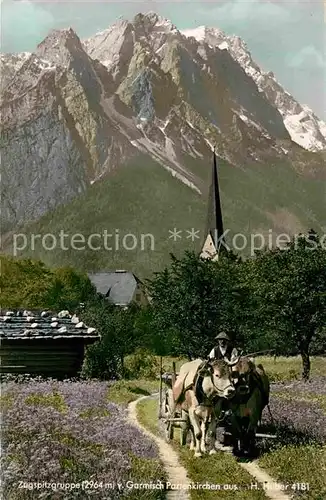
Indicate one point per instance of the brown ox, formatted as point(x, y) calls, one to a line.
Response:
point(194, 390)
point(252, 395)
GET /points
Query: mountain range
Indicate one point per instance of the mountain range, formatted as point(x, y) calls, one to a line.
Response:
point(116, 133)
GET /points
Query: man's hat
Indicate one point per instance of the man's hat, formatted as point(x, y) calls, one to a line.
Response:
point(222, 336)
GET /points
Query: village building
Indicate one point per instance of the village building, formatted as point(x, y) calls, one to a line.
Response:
point(42, 343)
point(120, 287)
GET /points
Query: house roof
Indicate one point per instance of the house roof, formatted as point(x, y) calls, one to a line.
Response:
point(43, 325)
point(118, 286)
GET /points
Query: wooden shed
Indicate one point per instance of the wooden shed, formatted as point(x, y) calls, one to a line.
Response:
point(43, 343)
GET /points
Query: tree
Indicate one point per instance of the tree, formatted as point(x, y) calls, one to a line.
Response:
point(288, 288)
point(24, 283)
point(30, 284)
point(147, 335)
point(194, 299)
point(69, 289)
point(124, 324)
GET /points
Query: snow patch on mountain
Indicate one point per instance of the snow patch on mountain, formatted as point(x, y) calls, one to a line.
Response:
point(198, 33)
point(223, 45)
point(46, 65)
point(301, 128)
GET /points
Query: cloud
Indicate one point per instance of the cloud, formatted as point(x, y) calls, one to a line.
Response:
point(25, 23)
point(252, 10)
point(308, 58)
point(22, 21)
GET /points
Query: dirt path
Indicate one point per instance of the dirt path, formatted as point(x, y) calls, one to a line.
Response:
point(177, 474)
point(274, 492)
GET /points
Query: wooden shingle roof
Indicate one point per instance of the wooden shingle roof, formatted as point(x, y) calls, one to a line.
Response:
point(43, 325)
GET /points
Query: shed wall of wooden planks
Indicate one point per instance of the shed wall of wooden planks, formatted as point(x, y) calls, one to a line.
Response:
point(58, 358)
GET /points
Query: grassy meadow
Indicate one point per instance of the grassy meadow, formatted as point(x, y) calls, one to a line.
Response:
point(279, 369)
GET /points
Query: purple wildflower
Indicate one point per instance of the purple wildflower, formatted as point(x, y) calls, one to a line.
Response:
point(66, 432)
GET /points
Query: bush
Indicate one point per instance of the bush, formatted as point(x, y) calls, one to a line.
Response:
point(101, 363)
point(141, 364)
point(122, 331)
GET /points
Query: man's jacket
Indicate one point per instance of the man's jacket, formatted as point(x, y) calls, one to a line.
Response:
point(218, 353)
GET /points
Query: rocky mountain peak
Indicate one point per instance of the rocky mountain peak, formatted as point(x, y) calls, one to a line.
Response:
point(66, 36)
point(304, 127)
point(152, 21)
point(116, 47)
point(60, 46)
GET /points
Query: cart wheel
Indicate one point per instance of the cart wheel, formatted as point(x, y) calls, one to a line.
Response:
point(169, 432)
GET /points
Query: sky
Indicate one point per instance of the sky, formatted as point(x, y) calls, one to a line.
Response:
point(286, 37)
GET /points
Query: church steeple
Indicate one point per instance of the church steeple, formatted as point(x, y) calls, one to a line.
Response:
point(214, 225)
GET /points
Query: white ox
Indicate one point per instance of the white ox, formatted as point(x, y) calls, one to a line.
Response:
point(216, 383)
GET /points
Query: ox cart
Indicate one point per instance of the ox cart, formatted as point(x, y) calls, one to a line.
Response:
point(171, 416)
point(174, 417)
